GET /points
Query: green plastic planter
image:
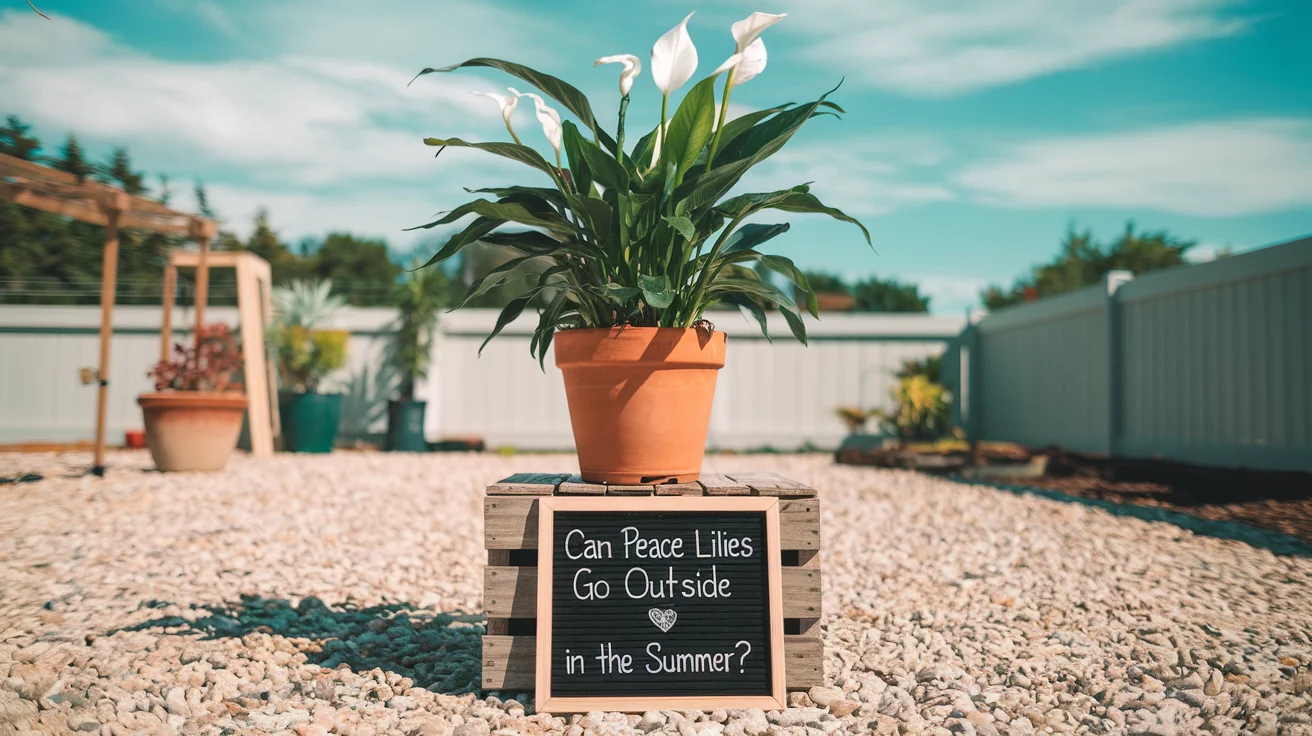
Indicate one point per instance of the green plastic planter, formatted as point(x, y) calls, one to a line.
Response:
point(405, 426)
point(309, 421)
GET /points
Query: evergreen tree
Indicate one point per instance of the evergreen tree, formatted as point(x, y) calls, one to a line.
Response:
point(203, 201)
point(118, 170)
point(14, 140)
point(165, 194)
point(72, 159)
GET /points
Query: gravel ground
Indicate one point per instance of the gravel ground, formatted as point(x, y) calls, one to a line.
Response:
point(340, 594)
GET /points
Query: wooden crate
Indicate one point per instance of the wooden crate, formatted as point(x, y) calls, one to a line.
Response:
point(510, 526)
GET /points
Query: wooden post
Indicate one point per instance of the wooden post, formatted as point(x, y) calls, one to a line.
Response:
point(254, 365)
point(170, 292)
point(108, 284)
point(202, 283)
point(266, 317)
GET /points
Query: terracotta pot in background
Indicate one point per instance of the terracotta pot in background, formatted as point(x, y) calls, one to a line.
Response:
point(192, 430)
point(640, 400)
point(134, 439)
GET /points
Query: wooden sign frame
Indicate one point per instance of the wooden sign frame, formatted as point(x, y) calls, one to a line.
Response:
point(543, 699)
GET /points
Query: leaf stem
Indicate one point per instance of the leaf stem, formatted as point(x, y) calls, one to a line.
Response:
point(619, 133)
point(724, 111)
point(665, 102)
point(513, 137)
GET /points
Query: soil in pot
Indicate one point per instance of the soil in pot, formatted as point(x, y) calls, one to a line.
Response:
point(309, 421)
point(192, 430)
point(405, 426)
point(640, 400)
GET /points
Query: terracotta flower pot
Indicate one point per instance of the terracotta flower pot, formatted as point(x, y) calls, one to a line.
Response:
point(192, 430)
point(640, 400)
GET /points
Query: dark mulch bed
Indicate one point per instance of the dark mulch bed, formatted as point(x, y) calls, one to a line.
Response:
point(1278, 501)
point(1271, 500)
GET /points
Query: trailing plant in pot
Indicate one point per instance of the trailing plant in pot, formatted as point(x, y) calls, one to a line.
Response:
point(194, 416)
point(638, 241)
point(307, 353)
point(420, 299)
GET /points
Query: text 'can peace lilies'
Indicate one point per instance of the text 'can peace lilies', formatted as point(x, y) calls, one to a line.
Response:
point(638, 242)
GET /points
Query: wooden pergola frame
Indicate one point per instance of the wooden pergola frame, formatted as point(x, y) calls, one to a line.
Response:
point(40, 187)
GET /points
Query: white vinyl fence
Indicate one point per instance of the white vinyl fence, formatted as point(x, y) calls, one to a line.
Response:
point(1209, 364)
point(779, 394)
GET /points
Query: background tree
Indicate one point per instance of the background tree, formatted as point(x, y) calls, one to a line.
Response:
point(879, 295)
point(118, 170)
point(14, 140)
point(1082, 262)
point(72, 159)
point(360, 268)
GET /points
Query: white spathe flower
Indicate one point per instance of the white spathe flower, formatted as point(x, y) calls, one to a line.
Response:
point(656, 148)
point(750, 28)
point(753, 63)
point(549, 118)
point(508, 103)
point(673, 58)
point(632, 68)
point(728, 64)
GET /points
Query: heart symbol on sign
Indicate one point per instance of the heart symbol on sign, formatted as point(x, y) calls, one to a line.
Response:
point(664, 619)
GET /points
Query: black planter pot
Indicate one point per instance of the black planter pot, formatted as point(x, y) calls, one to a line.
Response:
point(309, 421)
point(405, 426)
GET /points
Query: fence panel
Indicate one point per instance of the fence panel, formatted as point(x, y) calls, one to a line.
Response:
point(780, 395)
point(1207, 363)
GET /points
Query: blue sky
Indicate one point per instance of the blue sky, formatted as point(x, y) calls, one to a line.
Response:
point(975, 130)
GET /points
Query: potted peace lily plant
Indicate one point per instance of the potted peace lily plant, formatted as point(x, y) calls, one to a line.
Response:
point(638, 242)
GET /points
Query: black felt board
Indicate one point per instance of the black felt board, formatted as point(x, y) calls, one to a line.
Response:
point(706, 626)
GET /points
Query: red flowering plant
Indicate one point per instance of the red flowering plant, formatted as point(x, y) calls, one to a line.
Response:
point(206, 365)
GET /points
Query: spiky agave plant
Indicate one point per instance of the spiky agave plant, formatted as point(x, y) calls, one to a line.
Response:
point(643, 237)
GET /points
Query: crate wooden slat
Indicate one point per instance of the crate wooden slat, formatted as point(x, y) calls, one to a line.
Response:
point(527, 484)
point(511, 522)
point(764, 483)
point(715, 484)
point(508, 662)
point(635, 490)
point(511, 592)
point(679, 489)
point(574, 486)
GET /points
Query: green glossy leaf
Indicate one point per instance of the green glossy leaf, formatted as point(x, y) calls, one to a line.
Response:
point(546, 194)
point(751, 235)
point(508, 314)
point(683, 226)
point(690, 128)
point(605, 169)
point(512, 151)
point(553, 87)
point(740, 124)
point(655, 292)
point(750, 307)
point(473, 232)
point(794, 323)
point(494, 277)
point(578, 166)
point(807, 202)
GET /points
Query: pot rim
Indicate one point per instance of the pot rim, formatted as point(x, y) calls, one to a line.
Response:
point(197, 399)
point(658, 347)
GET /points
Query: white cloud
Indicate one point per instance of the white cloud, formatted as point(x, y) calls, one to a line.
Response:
point(861, 176)
point(956, 46)
point(337, 133)
point(1219, 169)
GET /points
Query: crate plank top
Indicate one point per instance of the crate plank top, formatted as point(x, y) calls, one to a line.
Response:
point(754, 483)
